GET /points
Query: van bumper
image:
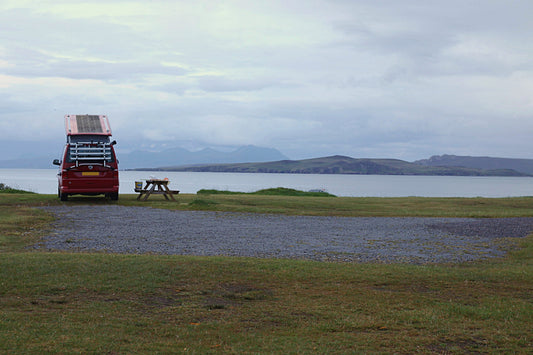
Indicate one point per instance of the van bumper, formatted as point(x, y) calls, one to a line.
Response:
point(88, 190)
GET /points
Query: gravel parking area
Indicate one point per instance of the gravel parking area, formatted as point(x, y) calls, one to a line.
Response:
point(139, 230)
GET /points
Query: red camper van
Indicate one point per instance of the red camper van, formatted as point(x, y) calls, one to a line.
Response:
point(89, 165)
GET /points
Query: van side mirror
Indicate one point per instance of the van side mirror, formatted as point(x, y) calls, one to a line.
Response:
point(56, 162)
point(114, 142)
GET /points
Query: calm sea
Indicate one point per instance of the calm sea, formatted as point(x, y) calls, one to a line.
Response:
point(45, 181)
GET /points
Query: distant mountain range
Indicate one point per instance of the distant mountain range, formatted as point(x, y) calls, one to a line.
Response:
point(180, 156)
point(346, 165)
point(252, 159)
point(149, 159)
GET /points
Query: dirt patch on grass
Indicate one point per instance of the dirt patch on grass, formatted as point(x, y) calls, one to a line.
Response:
point(458, 345)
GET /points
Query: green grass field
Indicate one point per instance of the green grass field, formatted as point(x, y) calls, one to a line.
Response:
point(107, 303)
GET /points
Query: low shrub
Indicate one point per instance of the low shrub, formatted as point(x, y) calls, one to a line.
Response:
point(9, 190)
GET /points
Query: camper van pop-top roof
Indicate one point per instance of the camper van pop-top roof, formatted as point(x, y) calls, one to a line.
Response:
point(76, 125)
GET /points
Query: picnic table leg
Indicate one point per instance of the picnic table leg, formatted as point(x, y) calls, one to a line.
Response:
point(168, 192)
point(143, 191)
point(161, 188)
point(149, 192)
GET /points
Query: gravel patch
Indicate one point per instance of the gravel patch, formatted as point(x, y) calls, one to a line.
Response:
point(140, 230)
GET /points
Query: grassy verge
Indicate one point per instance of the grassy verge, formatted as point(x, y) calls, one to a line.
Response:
point(107, 303)
point(21, 224)
point(343, 206)
point(128, 304)
point(307, 205)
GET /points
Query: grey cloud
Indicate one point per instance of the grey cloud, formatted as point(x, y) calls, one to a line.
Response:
point(224, 83)
point(94, 38)
point(98, 70)
point(421, 35)
point(389, 78)
point(174, 87)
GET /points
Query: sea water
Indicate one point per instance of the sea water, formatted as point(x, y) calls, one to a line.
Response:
point(45, 181)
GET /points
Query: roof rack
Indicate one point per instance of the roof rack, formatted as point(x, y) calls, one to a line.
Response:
point(87, 125)
point(90, 152)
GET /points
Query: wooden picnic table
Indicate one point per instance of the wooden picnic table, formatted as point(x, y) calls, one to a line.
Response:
point(156, 186)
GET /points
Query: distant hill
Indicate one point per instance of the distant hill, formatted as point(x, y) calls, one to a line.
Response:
point(343, 165)
point(485, 163)
point(180, 156)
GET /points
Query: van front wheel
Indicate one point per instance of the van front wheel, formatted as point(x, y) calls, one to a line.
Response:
point(63, 196)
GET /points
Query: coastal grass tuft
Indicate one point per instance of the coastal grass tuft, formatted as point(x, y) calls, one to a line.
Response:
point(283, 191)
point(9, 190)
point(278, 191)
point(59, 302)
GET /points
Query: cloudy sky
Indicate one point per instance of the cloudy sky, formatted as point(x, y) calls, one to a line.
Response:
point(364, 78)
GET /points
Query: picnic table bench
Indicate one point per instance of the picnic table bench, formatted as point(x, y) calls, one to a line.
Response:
point(156, 186)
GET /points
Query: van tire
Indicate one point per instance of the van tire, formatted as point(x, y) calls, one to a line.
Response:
point(113, 196)
point(63, 196)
